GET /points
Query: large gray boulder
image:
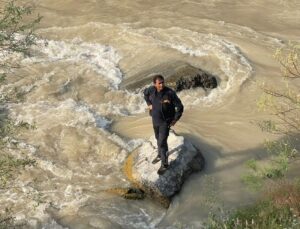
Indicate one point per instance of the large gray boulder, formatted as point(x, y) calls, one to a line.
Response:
point(184, 159)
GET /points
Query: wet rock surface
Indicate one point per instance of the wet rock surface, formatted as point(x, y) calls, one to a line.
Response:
point(201, 79)
point(184, 159)
point(178, 75)
point(132, 193)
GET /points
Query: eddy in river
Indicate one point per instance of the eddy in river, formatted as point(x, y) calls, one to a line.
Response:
point(166, 109)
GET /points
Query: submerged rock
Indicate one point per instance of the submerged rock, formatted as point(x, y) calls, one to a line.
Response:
point(132, 193)
point(184, 159)
point(202, 79)
point(178, 75)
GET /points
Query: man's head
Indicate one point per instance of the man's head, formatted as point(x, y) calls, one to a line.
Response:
point(159, 82)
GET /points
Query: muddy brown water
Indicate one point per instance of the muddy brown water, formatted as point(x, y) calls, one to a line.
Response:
point(87, 123)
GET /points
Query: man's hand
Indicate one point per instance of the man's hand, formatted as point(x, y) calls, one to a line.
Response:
point(150, 107)
point(173, 123)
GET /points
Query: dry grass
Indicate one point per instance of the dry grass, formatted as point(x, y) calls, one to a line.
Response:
point(285, 193)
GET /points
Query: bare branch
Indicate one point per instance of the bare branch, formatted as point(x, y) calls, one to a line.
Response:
point(295, 66)
point(290, 71)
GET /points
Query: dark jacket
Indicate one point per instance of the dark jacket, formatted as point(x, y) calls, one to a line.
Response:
point(166, 106)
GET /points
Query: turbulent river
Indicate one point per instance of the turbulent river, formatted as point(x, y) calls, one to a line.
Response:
point(87, 122)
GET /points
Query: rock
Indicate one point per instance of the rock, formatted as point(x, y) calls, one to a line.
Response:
point(202, 79)
point(135, 194)
point(184, 159)
point(178, 75)
point(132, 193)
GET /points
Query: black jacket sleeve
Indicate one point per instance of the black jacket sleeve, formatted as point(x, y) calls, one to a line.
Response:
point(147, 93)
point(178, 106)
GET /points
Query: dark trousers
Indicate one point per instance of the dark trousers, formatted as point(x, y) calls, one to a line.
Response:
point(161, 135)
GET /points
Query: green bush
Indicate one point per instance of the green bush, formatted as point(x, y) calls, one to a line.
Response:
point(263, 215)
point(284, 105)
point(16, 36)
point(278, 208)
point(281, 153)
point(9, 166)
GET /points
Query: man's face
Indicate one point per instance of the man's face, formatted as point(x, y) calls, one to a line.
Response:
point(159, 84)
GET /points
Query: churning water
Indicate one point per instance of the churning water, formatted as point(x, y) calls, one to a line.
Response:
point(87, 123)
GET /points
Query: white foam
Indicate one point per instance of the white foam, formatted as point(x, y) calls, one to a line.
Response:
point(74, 114)
point(79, 113)
point(53, 225)
point(234, 65)
point(129, 145)
point(57, 171)
point(125, 103)
point(103, 59)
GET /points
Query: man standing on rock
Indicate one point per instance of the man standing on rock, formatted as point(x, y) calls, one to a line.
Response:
point(166, 109)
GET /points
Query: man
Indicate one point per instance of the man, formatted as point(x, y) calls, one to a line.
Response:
point(166, 109)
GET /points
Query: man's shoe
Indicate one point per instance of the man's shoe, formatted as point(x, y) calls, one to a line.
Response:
point(157, 159)
point(162, 169)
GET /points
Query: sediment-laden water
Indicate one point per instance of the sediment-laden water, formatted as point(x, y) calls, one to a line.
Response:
point(88, 122)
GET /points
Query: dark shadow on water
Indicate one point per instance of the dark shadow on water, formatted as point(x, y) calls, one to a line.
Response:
point(174, 150)
point(212, 153)
point(188, 204)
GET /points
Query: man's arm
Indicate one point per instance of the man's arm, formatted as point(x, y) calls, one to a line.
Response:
point(147, 93)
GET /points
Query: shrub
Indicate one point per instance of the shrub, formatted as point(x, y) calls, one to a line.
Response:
point(278, 209)
point(284, 105)
point(16, 36)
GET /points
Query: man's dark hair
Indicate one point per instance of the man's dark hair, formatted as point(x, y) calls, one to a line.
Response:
point(157, 77)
